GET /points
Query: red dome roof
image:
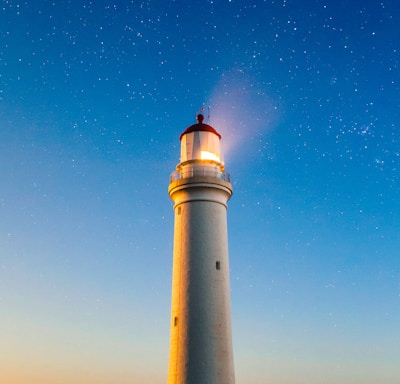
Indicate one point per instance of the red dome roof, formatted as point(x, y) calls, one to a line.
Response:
point(200, 127)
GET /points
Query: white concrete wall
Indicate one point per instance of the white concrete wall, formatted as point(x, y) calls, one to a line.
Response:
point(201, 341)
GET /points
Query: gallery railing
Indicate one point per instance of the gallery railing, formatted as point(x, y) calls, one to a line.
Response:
point(199, 172)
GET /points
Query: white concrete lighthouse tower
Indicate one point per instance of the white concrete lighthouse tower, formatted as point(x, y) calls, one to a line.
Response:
point(201, 336)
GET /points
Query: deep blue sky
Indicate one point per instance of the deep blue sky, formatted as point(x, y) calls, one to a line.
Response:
point(93, 98)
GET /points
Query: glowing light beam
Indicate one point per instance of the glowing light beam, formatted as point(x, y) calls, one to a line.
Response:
point(205, 155)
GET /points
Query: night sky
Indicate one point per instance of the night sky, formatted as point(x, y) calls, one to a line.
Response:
point(93, 98)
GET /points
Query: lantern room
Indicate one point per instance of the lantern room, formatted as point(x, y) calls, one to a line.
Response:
point(201, 143)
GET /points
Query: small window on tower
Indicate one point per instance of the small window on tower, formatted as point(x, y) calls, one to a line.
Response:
point(179, 210)
point(218, 265)
point(175, 321)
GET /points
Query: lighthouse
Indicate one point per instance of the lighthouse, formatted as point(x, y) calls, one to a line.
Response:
point(200, 336)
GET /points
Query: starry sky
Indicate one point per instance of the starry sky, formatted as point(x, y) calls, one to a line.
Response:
point(93, 98)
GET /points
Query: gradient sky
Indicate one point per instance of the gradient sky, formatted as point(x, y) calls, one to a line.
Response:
point(93, 98)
